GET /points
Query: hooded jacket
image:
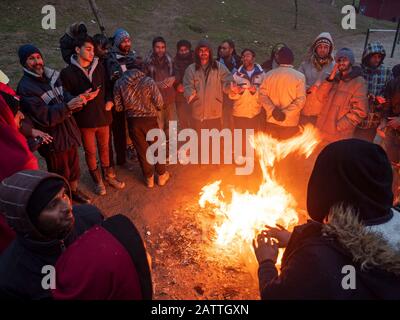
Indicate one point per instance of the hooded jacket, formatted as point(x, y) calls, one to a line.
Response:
point(376, 78)
point(77, 80)
point(350, 186)
point(108, 262)
point(316, 71)
point(44, 101)
point(344, 104)
point(137, 95)
point(247, 104)
point(22, 262)
point(204, 88)
point(315, 74)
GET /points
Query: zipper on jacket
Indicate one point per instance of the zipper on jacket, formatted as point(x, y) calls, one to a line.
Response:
point(62, 245)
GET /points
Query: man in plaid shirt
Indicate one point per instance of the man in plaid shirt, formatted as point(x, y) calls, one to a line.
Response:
point(377, 76)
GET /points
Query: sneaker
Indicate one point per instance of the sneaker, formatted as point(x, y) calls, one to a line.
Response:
point(162, 180)
point(111, 178)
point(150, 182)
point(100, 189)
point(79, 197)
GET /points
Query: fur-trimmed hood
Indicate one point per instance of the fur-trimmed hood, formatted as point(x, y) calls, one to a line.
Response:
point(372, 247)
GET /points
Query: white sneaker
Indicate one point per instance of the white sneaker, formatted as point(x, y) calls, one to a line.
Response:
point(162, 180)
point(150, 182)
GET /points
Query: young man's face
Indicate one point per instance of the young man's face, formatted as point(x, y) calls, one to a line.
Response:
point(226, 50)
point(57, 220)
point(86, 52)
point(18, 118)
point(35, 64)
point(344, 64)
point(159, 49)
point(323, 50)
point(125, 45)
point(375, 60)
point(101, 51)
point(204, 55)
point(183, 50)
point(248, 59)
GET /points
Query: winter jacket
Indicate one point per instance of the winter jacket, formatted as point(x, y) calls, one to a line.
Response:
point(77, 80)
point(204, 93)
point(159, 70)
point(315, 74)
point(344, 104)
point(108, 262)
point(314, 260)
point(137, 95)
point(22, 262)
point(232, 65)
point(44, 101)
point(283, 88)
point(377, 79)
point(247, 104)
point(312, 69)
point(118, 62)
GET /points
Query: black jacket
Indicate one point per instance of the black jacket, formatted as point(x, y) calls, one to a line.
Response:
point(76, 82)
point(312, 265)
point(44, 101)
point(22, 262)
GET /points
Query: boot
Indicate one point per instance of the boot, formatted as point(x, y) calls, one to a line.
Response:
point(150, 182)
point(79, 197)
point(111, 178)
point(99, 188)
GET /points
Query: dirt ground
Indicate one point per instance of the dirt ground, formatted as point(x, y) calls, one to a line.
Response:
point(178, 233)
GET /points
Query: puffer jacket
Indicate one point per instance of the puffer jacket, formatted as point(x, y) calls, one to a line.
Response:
point(22, 262)
point(137, 95)
point(313, 262)
point(344, 105)
point(247, 104)
point(283, 88)
point(206, 93)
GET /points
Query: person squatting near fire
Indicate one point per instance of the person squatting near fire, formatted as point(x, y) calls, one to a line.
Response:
point(316, 68)
point(37, 206)
point(354, 227)
point(86, 74)
point(377, 76)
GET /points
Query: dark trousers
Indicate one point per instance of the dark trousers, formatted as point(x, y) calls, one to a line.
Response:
point(243, 123)
point(365, 134)
point(207, 124)
point(138, 129)
point(91, 137)
point(308, 120)
point(119, 136)
point(110, 147)
point(281, 133)
point(184, 113)
point(65, 163)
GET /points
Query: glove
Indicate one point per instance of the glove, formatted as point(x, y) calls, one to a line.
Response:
point(278, 114)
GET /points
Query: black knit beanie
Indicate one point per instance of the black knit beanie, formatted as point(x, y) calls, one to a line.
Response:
point(352, 172)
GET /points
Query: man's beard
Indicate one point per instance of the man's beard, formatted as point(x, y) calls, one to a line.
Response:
point(38, 69)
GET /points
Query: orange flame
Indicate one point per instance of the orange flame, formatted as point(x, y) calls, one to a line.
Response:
point(241, 219)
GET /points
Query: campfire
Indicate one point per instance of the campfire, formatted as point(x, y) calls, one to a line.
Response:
point(239, 220)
